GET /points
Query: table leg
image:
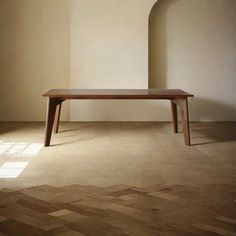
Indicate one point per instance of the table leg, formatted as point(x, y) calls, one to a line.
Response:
point(57, 117)
point(51, 110)
point(183, 105)
point(174, 116)
point(185, 120)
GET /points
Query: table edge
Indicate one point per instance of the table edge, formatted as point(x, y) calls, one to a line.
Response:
point(107, 96)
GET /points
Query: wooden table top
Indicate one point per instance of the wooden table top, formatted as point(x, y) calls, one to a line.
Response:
point(117, 93)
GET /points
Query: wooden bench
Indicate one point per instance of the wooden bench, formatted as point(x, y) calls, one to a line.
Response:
point(177, 97)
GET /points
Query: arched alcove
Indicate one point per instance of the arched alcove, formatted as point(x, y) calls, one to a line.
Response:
point(157, 37)
point(192, 47)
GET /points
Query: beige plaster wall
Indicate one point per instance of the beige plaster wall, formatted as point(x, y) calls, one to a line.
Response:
point(109, 49)
point(104, 44)
point(34, 56)
point(193, 46)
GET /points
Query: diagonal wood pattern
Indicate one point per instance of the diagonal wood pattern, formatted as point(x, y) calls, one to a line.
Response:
point(119, 210)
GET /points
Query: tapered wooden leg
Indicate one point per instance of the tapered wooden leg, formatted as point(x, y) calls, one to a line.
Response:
point(51, 110)
point(185, 120)
point(174, 116)
point(57, 118)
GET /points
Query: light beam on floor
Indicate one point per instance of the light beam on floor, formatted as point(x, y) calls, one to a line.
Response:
point(17, 148)
point(5, 146)
point(12, 169)
point(20, 149)
point(32, 149)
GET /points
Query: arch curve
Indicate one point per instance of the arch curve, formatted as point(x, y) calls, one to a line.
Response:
point(157, 44)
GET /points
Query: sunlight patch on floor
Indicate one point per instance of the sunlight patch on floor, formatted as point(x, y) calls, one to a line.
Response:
point(20, 148)
point(32, 149)
point(5, 146)
point(12, 169)
point(16, 148)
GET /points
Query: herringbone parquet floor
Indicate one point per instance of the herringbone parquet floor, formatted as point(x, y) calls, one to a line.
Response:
point(119, 210)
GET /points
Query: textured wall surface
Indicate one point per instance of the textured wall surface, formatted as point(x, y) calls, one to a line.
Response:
point(104, 44)
point(34, 56)
point(193, 46)
point(109, 49)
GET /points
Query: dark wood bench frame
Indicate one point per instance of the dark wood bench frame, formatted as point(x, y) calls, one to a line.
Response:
point(177, 97)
